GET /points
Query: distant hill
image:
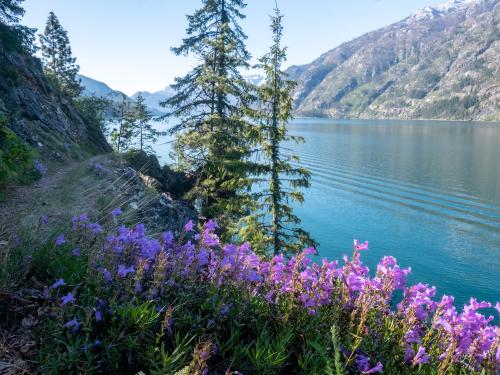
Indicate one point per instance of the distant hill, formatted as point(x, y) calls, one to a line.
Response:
point(93, 87)
point(441, 62)
point(154, 99)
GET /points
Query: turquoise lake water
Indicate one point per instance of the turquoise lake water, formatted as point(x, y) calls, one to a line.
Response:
point(426, 192)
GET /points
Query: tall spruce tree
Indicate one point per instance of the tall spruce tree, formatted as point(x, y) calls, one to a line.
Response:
point(59, 64)
point(209, 107)
point(143, 132)
point(121, 137)
point(274, 227)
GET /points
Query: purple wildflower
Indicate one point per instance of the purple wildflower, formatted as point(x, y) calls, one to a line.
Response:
point(409, 353)
point(203, 257)
point(116, 212)
point(363, 365)
point(138, 287)
point(57, 284)
point(95, 228)
point(210, 226)
point(167, 238)
point(107, 275)
point(123, 271)
point(188, 227)
point(68, 298)
point(98, 316)
point(60, 240)
point(412, 336)
point(375, 369)
point(78, 221)
point(75, 252)
point(420, 357)
point(73, 325)
point(360, 247)
point(309, 251)
point(43, 220)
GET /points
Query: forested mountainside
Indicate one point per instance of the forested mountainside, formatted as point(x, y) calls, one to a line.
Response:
point(439, 63)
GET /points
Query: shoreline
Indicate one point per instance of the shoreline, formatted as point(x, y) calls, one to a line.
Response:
point(392, 119)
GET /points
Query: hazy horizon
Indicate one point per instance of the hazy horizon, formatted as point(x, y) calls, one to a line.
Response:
point(131, 59)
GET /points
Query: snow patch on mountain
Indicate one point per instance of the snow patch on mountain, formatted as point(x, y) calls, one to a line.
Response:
point(442, 9)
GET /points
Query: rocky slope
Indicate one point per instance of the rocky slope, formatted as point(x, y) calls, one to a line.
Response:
point(37, 113)
point(440, 63)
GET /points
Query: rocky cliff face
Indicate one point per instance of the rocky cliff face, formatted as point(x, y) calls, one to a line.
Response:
point(40, 115)
point(441, 63)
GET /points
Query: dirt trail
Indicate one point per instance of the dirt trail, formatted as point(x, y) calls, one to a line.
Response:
point(51, 196)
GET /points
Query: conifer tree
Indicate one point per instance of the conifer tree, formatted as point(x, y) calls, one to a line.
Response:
point(11, 11)
point(13, 35)
point(274, 227)
point(143, 132)
point(209, 107)
point(59, 64)
point(121, 137)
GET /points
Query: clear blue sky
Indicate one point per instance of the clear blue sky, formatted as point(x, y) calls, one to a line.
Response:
point(126, 43)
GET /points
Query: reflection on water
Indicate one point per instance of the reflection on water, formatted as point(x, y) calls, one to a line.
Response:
point(425, 192)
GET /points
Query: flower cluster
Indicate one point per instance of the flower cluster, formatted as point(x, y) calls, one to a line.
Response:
point(83, 222)
point(430, 331)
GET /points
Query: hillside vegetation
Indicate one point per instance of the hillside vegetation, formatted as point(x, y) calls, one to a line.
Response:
point(440, 63)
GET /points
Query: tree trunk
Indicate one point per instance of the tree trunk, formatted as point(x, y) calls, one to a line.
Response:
point(275, 180)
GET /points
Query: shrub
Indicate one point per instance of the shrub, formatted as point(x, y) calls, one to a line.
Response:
point(125, 302)
point(17, 159)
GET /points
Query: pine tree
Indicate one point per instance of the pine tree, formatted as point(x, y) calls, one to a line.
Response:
point(58, 62)
point(13, 35)
point(213, 137)
point(274, 226)
point(143, 132)
point(92, 109)
point(121, 137)
point(11, 11)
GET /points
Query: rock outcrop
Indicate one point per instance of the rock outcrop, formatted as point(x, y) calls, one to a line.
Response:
point(159, 211)
point(39, 114)
point(160, 178)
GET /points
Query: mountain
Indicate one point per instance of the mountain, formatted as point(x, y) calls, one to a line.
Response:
point(441, 62)
point(255, 79)
point(152, 100)
point(93, 87)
